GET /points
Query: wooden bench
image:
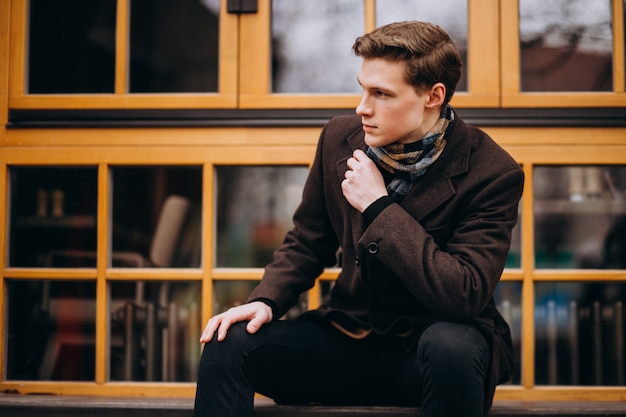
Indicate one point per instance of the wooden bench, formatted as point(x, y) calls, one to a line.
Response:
point(73, 406)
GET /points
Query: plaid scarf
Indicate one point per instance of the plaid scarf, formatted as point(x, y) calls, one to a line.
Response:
point(409, 162)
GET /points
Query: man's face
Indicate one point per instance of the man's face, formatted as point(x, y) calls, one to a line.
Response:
point(391, 110)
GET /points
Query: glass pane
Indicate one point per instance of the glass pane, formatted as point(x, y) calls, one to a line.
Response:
point(156, 217)
point(227, 294)
point(312, 45)
point(508, 297)
point(254, 209)
point(51, 330)
point(174, 47)
point(566, 45)
point(52, 217)
point(580, 216)
point(154, 328)
point(71, 46)
point(451, 15)
point(514, 258)
point(579, 333)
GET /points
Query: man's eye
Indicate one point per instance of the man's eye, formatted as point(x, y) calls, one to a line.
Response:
point(381, 93)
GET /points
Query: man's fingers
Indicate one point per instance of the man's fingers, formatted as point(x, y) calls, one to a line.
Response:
point(223, 329)
point(209, 330)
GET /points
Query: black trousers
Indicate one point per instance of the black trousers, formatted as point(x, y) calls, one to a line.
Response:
point(306, 362)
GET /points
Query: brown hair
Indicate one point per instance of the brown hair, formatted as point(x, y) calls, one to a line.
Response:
point(429, 53)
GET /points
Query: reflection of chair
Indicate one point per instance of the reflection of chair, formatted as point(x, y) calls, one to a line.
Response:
point(154, 326)
point(175, 243)
point(155, 334)
point(176, 239)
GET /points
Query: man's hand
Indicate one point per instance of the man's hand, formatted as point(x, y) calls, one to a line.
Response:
point(257, 313)
point(364, 183)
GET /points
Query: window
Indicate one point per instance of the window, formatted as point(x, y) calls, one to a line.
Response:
point(186, 114)
point(545, 45)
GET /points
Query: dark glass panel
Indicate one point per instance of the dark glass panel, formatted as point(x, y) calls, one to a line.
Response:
point(51, 330)
point(174, 46)
point(156, 216)
point(52, 216)
point(155, 330)
point(580, 216)
point(579, 333)
point(508, 297)
point(71, 47)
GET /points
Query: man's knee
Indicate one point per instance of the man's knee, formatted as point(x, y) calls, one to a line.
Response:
point(454, 347)
point(221, 355)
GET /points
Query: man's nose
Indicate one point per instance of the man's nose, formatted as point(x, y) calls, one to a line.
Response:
point(363, 109)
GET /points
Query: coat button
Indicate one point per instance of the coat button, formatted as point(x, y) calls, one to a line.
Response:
point(356, 261)
point(372, 247)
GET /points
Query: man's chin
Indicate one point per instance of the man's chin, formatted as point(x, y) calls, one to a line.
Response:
point(371, 140)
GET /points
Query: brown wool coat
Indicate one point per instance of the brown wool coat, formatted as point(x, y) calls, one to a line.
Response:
point(438, 255)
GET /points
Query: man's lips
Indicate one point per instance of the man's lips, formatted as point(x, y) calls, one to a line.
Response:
point(368, 128)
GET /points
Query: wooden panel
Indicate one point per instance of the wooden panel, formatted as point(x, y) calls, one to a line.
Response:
point(5, 25)
point(17, 52)
point(528, 295)
point(102, 249)
point(122, 33)
point(484, 59)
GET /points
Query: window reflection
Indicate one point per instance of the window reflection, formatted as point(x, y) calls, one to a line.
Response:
point(311, 45)
point(580, 216)
point(71, 46)
point(579, 333)
point(566, 46)
point(227, 294)
point(451, 15)
point(156, 216)
point(51, 330)
point(52, 217)
point(155, 328)
point(254, 209)
point(514, 257)
point(174, 46)
point(508, 297)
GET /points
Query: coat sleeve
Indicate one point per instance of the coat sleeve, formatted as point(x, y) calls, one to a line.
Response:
point(450, 268)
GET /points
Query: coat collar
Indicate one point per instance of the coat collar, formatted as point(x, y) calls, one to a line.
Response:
point(435, 187)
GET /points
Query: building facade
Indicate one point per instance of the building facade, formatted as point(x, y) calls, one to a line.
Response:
point(151, 156)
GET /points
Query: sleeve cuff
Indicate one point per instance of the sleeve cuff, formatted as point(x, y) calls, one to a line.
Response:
point(374, 209)
point(267, 301)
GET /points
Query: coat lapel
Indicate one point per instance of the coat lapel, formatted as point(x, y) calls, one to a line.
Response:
point(435, 188)
point(431, 191)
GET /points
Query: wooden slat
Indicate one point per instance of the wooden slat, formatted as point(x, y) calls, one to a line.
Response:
point(483, 55)
point(528, 294)
point(619, 72)
point(102, 251)
point(122, 36)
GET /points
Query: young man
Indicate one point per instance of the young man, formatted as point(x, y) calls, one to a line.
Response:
point(421, 207)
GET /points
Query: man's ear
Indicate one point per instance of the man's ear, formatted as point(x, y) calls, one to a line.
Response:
point(437, 95)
